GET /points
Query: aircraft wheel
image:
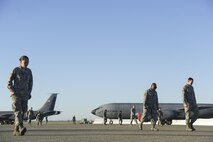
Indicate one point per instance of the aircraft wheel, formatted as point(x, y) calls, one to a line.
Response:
point(161, 123)
point(111, 122)
point(169, 122)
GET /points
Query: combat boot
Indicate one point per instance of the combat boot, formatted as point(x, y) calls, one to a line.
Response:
point(188, 126)
point(153, 128)
point(23, 130)
point(16, 131)
point(141, 126)
point(191, 124)
point(192, 127)
point(160, 123)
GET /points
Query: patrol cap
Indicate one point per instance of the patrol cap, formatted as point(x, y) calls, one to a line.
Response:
point(154, 84)
point(190, 78)
point(24, 57)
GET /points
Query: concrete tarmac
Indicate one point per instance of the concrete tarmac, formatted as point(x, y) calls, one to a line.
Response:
point(110, 133)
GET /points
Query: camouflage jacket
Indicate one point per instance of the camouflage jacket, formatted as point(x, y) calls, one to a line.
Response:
point(105, 114)
point(188, 96)
point(150, 100)
point(120, 115)
point(39, 116)
point(21, 81)
point(133, 112)
point(30, 113)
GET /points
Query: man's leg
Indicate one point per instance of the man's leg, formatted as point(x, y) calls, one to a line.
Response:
point(16, 107)
point(131, 120)
point(119, 121)
point(29, 121)
point(24, 105)
point(105, 121)
point(153, 120)
point(159, 118)
point(187, 117)
point(194, 117)
point(144, 118)
point(135, 120)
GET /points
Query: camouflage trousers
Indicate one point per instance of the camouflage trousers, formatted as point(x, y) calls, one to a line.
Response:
point(149, 114)
point(19, 107)
point(39, 122)
point(29, 120)
point(133, 117)
point(189, 111)
point(120, 121)
point(105, 120)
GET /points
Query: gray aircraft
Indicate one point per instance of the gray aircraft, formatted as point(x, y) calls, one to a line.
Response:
point(7, 117)
point(170, 111)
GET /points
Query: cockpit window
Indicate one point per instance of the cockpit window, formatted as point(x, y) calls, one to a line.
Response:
point(97, 108)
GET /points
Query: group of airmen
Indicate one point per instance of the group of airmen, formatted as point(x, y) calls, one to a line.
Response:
point(39, 117)
point(151, 108)
point(20, 85)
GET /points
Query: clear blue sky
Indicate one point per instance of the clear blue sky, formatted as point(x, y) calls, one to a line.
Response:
point(95, 51)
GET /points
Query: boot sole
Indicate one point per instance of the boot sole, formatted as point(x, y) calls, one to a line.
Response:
point(16, 134)
point(154, 130)
point(24, 130)
point(189, 130)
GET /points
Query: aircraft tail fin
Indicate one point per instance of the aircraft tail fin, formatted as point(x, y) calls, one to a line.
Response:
point(50, 103)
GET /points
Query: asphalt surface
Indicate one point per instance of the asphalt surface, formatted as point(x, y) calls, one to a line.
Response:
point(109, 133)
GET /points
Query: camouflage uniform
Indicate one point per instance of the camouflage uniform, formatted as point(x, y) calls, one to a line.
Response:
point(133, 116)
point(150, 108)
point(39, 118)
point(21, 83)
point(120, 119)
point(160, 114)
point(30, 115)
point(105, 117)
point(46, 118)
point(190, 105)
point(74, 120)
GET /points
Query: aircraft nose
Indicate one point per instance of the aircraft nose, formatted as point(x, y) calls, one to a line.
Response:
point(93, 111)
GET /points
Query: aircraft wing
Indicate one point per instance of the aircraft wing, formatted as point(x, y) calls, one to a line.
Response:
point(199, 107)
point(204, 107)
point(48, 113)
point(5, 115)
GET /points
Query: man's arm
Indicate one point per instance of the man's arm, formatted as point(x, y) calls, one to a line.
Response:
point(30, 82)
point(145, 100)
point(10, 83)
point(157, 104)
point(184, 97)
point(194, 96)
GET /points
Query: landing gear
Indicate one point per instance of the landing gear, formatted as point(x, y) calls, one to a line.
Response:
point(110, 121)
point(7, 122)
point(168, 122)
point(2, 122)
point(163, 122)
